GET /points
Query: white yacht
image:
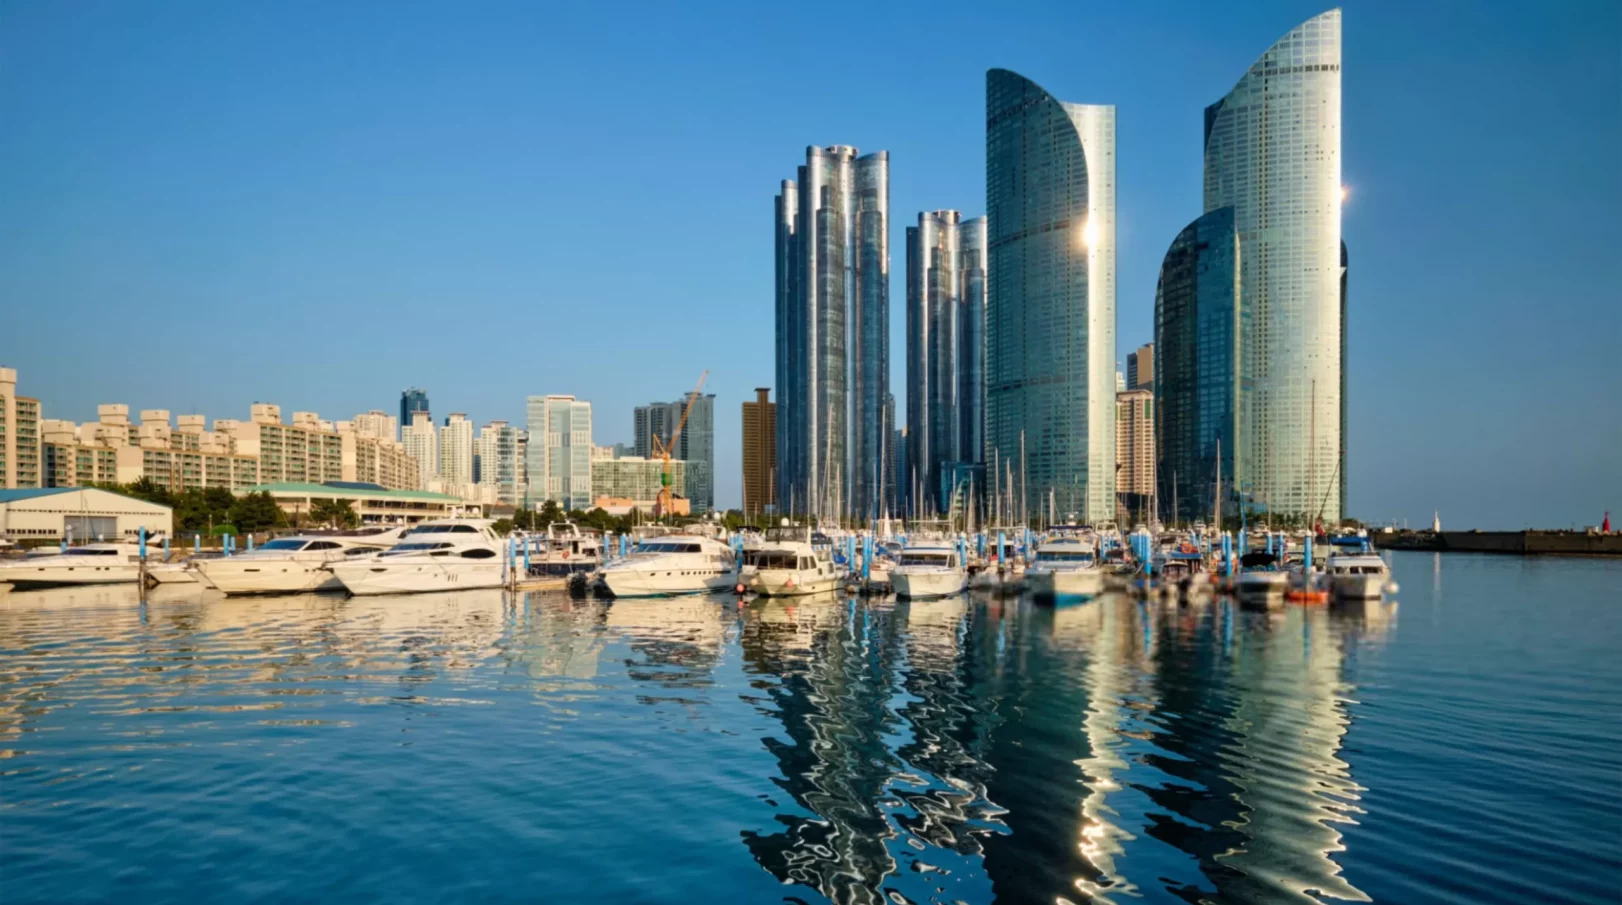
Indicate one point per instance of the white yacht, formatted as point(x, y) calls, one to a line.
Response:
point(671, 565)
point(1355, 571)
point(1066, 566)
point(291, 565)
point(565, 551)
point(1260, 576)
point(928, 569)
point(115, 563)
point(786, 563)
point(454, 554)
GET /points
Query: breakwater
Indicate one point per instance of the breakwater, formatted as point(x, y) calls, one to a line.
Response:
point(1525, 543)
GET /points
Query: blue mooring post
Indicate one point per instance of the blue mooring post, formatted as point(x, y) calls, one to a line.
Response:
point(250, 541)
point(526, 556)
point(1002, 546)
point(166, 548)
point(1227, 555)
point(622, 546)
point(196, 545)
point(1306, 555)
point(867, 557)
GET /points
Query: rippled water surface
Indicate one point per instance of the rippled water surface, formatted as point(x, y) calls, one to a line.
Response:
point(1463, 746)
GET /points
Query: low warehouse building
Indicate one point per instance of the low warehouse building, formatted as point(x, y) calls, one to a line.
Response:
point(53, 514)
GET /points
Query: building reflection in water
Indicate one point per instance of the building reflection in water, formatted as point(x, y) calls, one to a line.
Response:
point(978, 750)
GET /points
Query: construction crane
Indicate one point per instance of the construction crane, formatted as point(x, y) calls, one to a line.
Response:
point(662, 450)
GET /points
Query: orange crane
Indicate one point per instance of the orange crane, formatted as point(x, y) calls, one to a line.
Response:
point(662, 450)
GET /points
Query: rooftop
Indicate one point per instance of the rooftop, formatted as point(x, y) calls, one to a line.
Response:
point(352, 493)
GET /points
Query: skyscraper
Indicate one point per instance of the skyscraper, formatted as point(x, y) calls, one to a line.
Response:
point(498, 449)
point(1196, 374)
point(1272, 155)
point(1135, 448)
point(559, 452)
point(695, 445)
point(456, 451)
point(412, 400)
point(1140, 368)
point(1050, 298)
point(945, 348)
point(759, 454)
point(832, 308)
point(421, 443)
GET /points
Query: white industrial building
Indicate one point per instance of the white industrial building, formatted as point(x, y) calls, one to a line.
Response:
point(79, 514)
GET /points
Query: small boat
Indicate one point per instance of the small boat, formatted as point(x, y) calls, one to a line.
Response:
point(1065, 566)
point(786, 563)
point(291, 565)
point(110, 563)
point(567, 553)
point(1260, 577)
point(671, 565)
point(454, 554)
point(928, 569)
point(1355, 571)
point(178, 572)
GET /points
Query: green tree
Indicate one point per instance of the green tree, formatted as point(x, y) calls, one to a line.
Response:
point(256, 512)
point(551, 512)
point(334, 513)
point(502, 526)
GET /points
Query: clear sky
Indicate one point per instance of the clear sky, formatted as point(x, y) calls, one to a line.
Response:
point(207, 204)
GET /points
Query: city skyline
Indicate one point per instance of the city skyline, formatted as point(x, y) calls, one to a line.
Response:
point(1426, 308)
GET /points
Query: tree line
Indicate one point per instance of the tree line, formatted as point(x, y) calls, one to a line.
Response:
point(216, 511)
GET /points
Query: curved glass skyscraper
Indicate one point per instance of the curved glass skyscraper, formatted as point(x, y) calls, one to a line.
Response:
point(1272, 155)
point(833, 304)
point(1050, 299)
point(1196, 367)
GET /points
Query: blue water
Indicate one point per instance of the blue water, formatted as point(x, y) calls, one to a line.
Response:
point(1461, 746)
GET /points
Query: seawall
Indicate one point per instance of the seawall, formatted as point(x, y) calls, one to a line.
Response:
point(1525, 543)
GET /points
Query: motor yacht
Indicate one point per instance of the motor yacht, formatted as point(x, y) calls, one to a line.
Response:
point(454, 554)
point(1260, 576)
point(671, 565)
point(1355, 571)
point(928, 569)
point(292, 565)
point(787, 563)
point(565, 552)
point(1065, 566)
point(112, 563)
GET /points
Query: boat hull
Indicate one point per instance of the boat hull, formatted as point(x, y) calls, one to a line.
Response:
point(921, 585)
point(171, 573)
point(269, 576)
point(1065, 582)
point(27, 578)
point(637, 583)
point(372, 578)
point(1261, 584)
point(1358, 587)
point(789, 583)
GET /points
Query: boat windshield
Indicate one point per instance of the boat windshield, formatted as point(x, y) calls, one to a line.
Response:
point(667, 547)
point(771, 559)
point(926, 559)
point(87, 551)
point(284, 543)
point(1047, 556)
point(415, 548)
point(444, 529)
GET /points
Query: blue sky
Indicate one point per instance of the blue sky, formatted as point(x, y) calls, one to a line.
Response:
point(203, 205)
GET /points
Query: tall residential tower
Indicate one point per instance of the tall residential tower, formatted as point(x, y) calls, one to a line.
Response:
point(946, 309)
point(1266, 263)
point(832, 309)
point(1050, 298)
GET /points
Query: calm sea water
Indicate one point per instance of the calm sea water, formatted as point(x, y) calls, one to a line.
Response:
point(1461, 746)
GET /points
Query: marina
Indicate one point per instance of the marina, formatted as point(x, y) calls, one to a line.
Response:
point(825, 748)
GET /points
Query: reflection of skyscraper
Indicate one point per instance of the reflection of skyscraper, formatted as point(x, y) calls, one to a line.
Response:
point(1050, 299)
point(1272, 155)
point(833, 266)
point(832, 685)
